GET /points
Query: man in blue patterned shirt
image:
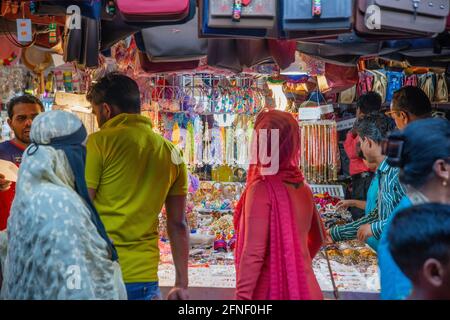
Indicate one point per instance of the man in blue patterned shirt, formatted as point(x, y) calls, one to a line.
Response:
point(372, 130)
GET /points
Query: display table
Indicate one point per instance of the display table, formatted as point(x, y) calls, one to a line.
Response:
point(217, 282)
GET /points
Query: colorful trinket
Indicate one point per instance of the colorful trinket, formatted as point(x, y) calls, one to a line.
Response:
point(237, 10)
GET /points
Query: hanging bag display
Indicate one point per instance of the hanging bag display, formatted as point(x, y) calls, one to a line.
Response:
point(235, 54)
point(116, 29)
point(222, 53)
point(347, 96)
point(407, 16)
point(441, 94)
point(317, 15)
point(411, 80)
point(82, 45)
point(153, 11)
point(91, 43)
point(242, 14)
point(365, 83)
point(395, 82)
point(173, 43)
point(347, 49)
point(253, 52)
point(379, 83)
point(163, 67)
point(72, 42)
point(207, 31)
point(427, 84)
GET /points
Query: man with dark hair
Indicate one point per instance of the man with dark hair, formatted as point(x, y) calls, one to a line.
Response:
point(131, 172)
point(368, 103)
point(409, 104)
point(113, 95)
point(372, 129)
point(361, 175)
point(21, 112)
point(419, 241)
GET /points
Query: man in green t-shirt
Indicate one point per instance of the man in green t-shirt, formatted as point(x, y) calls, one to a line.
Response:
point(131, 172)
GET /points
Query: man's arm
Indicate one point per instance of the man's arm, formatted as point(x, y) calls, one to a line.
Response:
point(378, 227)
point(179, 243)
point(4, 184)
point(360, 204)
point(390, 201)
point(92, 193)
point(350, 230)
point(94, 167)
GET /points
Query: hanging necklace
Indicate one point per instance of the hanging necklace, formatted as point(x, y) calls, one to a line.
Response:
point(207, 149)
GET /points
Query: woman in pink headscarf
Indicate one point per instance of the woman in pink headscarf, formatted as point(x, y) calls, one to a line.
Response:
point(277, 225)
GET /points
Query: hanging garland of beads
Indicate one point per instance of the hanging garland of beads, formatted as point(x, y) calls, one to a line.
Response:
point(319, 159)
point(8, 61)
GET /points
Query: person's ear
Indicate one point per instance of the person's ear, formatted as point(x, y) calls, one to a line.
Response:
point(358, 113)
point(108, 111)
point(10, 123)
point(433, 272)
point(370, 143)
point(404, 116)
point(442, 170)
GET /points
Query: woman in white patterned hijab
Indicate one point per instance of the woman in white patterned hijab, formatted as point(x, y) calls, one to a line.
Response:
point(57, 247)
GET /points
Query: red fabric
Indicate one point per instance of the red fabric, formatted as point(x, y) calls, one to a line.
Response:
point(283, 52)
point(357, 165)
point(7, 198)
point(163, 67)
point(272, 257)
point(340, 78)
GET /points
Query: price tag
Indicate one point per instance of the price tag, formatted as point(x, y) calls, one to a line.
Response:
point(24, 30)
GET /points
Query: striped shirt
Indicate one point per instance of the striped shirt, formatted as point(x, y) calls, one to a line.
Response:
point(390, 193)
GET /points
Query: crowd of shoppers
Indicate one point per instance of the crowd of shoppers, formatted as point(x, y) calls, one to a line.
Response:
point(82, 221)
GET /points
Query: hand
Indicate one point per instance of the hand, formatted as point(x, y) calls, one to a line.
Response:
point(364, 232)
point(178, 293)
point(4, 184)
point(328, 239)
point(345, 204)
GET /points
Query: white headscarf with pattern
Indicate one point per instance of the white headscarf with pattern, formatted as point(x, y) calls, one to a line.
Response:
point(54, 249)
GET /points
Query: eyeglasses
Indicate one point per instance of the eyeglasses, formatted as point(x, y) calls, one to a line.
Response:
point(392, 112)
